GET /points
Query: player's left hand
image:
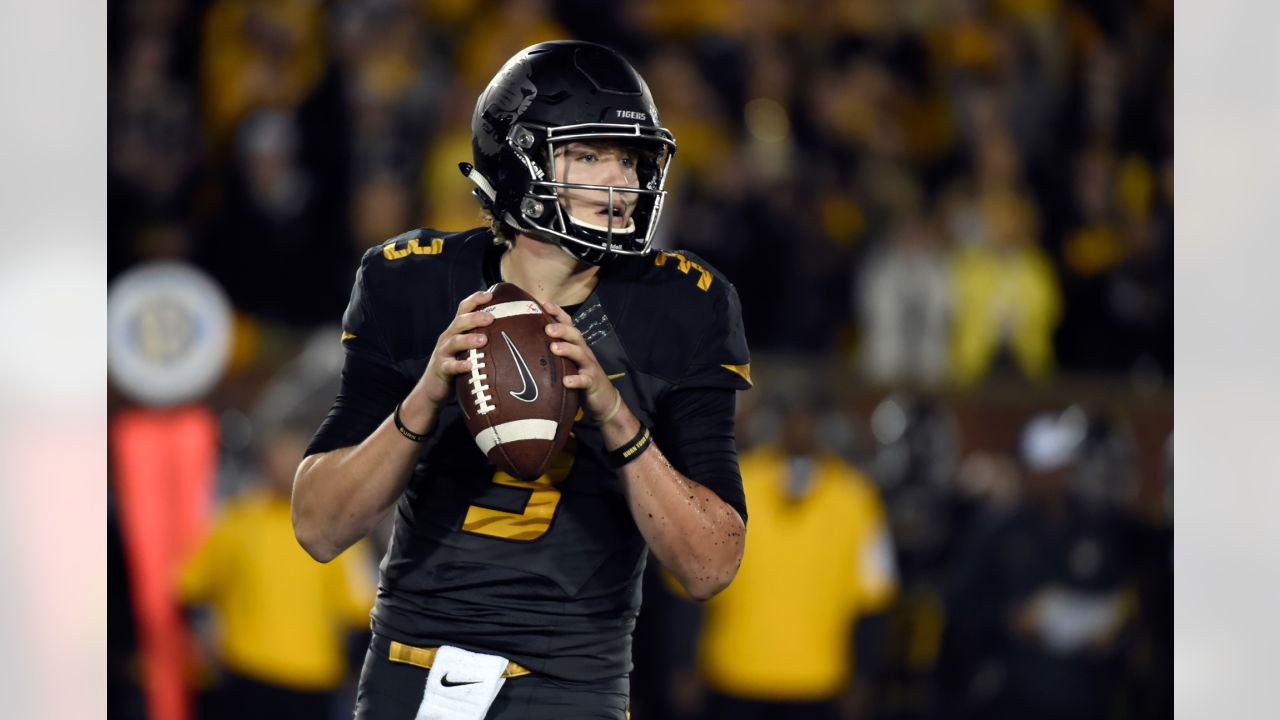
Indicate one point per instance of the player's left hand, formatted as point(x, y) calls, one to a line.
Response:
point(598, 393)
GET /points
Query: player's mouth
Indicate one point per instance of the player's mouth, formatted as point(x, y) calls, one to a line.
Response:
point(617, 210)
point(615, 218)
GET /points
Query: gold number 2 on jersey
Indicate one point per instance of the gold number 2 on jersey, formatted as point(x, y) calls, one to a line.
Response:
point(538, 511)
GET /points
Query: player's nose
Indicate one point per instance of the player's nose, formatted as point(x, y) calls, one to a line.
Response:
point(619, 175)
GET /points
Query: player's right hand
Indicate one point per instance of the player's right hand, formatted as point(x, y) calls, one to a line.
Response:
point(437, 380)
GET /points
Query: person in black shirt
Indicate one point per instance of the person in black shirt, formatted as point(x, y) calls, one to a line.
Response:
point(1043, 594)
point(533, 586)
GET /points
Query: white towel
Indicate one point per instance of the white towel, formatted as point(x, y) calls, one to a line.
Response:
point(461, 685)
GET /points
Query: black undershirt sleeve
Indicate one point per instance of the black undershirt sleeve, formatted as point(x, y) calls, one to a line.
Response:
point(695, 430)
point(368, 393)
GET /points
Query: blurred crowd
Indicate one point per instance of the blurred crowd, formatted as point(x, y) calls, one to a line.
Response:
point(943, 209)
point(933, 190)
point(904, 564)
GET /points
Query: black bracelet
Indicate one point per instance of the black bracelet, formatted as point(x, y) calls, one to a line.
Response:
point(631, 450)
point(406, 431)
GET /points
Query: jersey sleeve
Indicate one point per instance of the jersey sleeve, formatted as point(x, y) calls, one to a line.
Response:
point(695, 431)
point(721, 358)
point(371, 384)
point(362, 337)
point(368, 393)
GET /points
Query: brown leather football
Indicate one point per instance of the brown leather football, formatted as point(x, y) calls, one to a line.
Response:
point(514, 400)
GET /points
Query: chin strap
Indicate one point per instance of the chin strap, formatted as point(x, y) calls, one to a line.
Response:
point(469, 172)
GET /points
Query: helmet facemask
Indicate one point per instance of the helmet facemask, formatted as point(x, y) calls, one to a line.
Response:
point(542, 213)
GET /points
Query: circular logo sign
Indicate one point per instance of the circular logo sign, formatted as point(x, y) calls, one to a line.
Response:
point(168, 333)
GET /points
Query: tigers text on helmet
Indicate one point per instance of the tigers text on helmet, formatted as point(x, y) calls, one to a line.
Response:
point(545, 97)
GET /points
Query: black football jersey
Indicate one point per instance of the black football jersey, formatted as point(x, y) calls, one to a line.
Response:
point(547, 572)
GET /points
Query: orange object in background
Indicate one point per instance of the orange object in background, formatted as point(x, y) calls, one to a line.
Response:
point(164, 467)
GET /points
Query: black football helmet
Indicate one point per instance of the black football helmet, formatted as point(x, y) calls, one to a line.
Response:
point(551, 94)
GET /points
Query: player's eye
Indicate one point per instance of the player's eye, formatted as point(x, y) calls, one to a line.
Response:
point(587, 157)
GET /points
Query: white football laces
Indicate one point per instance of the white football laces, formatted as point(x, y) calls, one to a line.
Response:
point(479, 390)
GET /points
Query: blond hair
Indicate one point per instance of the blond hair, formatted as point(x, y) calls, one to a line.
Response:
point(502, 232)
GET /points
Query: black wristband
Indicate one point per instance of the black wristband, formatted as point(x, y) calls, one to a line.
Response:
point(631, 450)
point(406, 431)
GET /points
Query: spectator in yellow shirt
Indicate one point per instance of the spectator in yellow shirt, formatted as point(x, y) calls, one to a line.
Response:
point(282, 619)
point(1007, 299)
point(780, 641)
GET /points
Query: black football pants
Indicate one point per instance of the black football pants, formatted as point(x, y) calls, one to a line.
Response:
point(393, 691)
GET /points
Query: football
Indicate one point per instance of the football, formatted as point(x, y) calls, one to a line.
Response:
point(514, 400)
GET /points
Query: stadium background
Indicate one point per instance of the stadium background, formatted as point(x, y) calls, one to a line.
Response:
point(865, 172)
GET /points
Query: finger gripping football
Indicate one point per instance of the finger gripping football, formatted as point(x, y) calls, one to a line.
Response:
point(514, 400)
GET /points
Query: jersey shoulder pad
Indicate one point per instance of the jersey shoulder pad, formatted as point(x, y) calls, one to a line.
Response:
point(708, 313)
point(424, 244)
point(683, 268)
point(408, 265)
point(402, 290)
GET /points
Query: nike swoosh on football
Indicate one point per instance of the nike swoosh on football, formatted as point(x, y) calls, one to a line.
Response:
point(448, 683)
point(526, 377)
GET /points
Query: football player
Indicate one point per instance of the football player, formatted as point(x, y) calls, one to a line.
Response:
point(506, 598)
